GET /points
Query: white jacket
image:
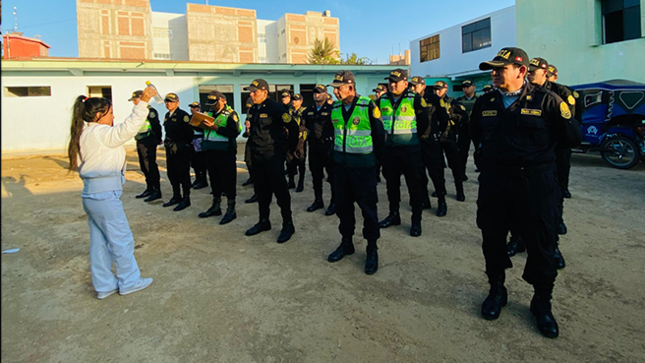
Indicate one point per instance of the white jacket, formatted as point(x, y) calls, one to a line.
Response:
point(102, 157)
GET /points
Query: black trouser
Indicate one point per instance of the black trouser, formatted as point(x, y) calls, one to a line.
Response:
point(451, 150)
point(411, 166)
point(433, 161)
point(563, 167)
point(148, 161)
point(463, 141)
point(178, 169)
point(268, 179)
point(298, 165)
point(198, 162)
point(320, 158)
point(528, 205)
point(222, 171)
point(247, 158)
point(356, 185)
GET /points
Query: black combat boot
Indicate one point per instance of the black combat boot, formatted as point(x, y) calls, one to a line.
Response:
point(301, 184)
point(287, 231)
point(214, 210)
point(248, 181)
point(291, 183)
point(156, 194)
point(496, 299)
point(174, 200)
point(185, 203)
point(442, 208)
point(145, 193)
point(261, 226)
point(415, 229)
point(541, 309)
point(346, 248)
point(559, 259)
point(317, 204)
point(331, 210)
point(230, 212)
point(253, 199)
point(371, 262)
point(393, 219)
point(515, 245)
point(461, 197)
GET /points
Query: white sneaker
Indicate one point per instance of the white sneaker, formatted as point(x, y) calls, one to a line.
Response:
point(103, 295)
point(140, 285)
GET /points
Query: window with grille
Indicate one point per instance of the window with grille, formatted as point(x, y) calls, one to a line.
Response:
point(475, 36)
point(621, 20)
point(429, 48)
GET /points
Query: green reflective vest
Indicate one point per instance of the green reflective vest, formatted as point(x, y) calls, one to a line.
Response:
point(213, 140)
point(353, 138)
point(400, 124)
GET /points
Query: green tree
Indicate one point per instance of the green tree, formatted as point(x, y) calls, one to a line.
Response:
point(355, 60)
point(323, 52)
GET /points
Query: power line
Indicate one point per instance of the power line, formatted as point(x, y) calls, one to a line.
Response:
point(53, 22)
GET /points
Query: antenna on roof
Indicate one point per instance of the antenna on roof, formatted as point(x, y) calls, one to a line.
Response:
point(15, 19)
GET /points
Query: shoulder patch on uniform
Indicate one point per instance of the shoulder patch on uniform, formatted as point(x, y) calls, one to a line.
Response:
point(286, 118)
point(376, 113)
point(462, 107)
point(235, 118)
point(186, 118)
point(564, 111)
point(152, 114)
point(423, 102)
point(442, 103)
point(571, 100)
point(530, 111)
point(576, 94)
point(489, 113)
point(492, 99)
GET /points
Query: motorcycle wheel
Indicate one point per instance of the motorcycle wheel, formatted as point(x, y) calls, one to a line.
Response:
point(620, 152)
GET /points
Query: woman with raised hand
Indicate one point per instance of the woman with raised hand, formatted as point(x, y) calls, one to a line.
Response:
point(96, 151)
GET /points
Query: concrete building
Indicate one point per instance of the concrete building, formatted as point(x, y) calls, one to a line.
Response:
point(453, 54)
point(14, 45)
point(52, 84)
point(589, 41)
point(128, 29)
point(401, 60)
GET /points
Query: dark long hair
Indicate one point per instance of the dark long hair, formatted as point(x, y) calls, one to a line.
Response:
point(84, 110)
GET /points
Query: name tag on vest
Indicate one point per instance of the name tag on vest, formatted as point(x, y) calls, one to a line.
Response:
point(264, 115)
point(489, 113)
point(530, 111)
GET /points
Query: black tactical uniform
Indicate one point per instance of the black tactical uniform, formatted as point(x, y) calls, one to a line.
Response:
point(198, 160)
point(268, 146)
point(299, 161)
point(402, 152)
point(431, 154)
point(463, 137)
point(320, 136)
point(457, 117)
point(148, 138)
point(355, 177)
point(247, 152)
point(220, 149)
point(179, 147)
point(516, 145)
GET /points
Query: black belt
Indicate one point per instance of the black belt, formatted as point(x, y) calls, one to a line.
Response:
point(521, 171)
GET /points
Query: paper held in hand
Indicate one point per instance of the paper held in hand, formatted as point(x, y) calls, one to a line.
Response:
point(198, 119)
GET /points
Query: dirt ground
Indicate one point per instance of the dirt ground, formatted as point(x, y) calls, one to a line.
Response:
point(219, 296)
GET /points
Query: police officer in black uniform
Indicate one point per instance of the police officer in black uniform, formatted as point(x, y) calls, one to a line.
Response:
point(285, 99)
point(358, 136)
point(320, 136)
point(198, 161)
point(515, 130)
point(179, 147)
point(148, 138)
point(431, 154)
point(298, 160)
point(268, 145)
point(552, 73)
point(463, 137)
point(401, 109)
point(379, 91)
point(457, 116)
point(247, 151)
point(487, 88)
point(220, 148)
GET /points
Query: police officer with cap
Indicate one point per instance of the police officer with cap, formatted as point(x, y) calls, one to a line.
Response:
point(400, 109)
point(179, 147)
point(198, 161)
point(515, 129)
point(538, 76)
point(220, 148)
point(268, 145)
point(148, 138)
point(457, 117)
point(431, 154)
point(247, 151)
point(552, 73)
point(379, 91)
point(486, 89)
point(463, 137)
point(296, 162)
point(320, 136)
point(285, 98)
point(358, 136)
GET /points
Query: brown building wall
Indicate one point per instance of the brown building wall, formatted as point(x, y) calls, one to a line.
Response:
point(114, 29)
point(303, 30)
point(220, 34)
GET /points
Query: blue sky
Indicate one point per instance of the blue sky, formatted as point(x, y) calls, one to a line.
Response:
point(372, 29)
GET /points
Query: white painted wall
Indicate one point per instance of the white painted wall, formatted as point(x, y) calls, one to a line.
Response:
point(177, 46)
point(452, 61)
point(268, 49)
